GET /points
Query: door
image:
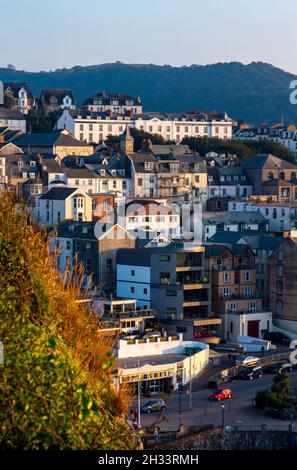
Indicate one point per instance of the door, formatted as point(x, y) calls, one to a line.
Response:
point(253, 328)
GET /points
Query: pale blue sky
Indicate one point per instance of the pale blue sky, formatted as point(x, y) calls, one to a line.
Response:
point(49, 34)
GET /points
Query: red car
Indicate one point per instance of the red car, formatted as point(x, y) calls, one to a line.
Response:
point(220, 394)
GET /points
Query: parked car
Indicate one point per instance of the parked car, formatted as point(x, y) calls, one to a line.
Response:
point(277, 337)
point(250, 373)
point(279, 368)
point(220, 394)
point(152, 406)
point(247, 361)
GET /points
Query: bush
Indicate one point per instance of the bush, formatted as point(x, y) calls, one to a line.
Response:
point(269, 399)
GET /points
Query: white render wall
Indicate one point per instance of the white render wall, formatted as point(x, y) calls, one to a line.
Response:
point(169, 129)
point(158, 348)
point(280, 216)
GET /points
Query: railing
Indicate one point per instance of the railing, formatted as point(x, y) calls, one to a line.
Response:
point(130, 314)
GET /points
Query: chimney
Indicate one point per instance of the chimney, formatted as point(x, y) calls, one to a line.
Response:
point(1, 139)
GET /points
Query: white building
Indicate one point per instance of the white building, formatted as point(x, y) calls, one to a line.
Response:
point(228, 182)
point(151, 216)
point(158, 364)
point(98, 126)
point(13, 119)
point(280, 216)
point(115, 102)
point(231, 222)
point(62, 203)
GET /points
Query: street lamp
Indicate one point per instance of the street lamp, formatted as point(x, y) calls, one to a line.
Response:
point(179, 402)
point(223, 416)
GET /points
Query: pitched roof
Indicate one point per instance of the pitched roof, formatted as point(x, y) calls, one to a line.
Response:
point(267, 161)
point(107, 97)
point(16, 87)
point(57, 138)
point(58, 93)
point(58, 193)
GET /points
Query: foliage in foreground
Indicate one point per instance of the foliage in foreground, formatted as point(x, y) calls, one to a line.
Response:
point(56, 387)
point(278, 401)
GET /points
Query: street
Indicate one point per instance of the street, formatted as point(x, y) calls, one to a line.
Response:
point(240, 410)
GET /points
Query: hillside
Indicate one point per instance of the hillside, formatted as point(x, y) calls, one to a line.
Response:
point(56, 387)
point(255, 92)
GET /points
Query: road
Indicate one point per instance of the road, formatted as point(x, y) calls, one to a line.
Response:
point(240, 410)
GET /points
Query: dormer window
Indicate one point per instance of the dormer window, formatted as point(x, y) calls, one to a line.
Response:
point(148, 165)
point(222, 178)
point(113, 172)
point(102, 172)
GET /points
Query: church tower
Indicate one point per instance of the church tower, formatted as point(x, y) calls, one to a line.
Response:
point(127, 142)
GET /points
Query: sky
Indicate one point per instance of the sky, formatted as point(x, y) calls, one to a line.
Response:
point(49, 34)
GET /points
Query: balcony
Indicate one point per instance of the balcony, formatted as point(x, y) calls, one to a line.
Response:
point(130, 314)
point(254, 295)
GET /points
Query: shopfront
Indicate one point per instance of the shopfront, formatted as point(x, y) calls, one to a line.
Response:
point(152, 383)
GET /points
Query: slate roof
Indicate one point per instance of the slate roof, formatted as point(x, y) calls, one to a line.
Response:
point(58, 93)
point(268, 161)
point(227, 217)
point(56, 138)
point(58, 193)
point(15, 88)
point(13, 114)
point(107, 97)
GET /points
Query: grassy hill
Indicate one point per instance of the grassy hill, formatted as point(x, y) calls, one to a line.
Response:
point(256, 92)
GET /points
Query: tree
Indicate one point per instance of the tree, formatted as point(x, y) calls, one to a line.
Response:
point(56, 385)
point(11, 67)
point(281, 384)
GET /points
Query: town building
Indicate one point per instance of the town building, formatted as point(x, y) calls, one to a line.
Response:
point(60, 143)
point(280, 216)
point(152, 216)
point(177, 178)
point(171, 280)
point(284, 135)
point(272, 176)
point(213, 222)
point(97, 126)
point(115, 102)
point(263, 245)
point(83, 242)
point(17, 96)
point(12, 118)
point(158, 365)
point(55, 99)
point(228, 182)
point(283, 283)
point(62, 203)
point(234, 297)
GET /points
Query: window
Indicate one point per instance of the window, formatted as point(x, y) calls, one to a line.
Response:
point(253, 306)
point(280, 270)
point(226, 278)
point(132, 290)
point(132, 272)
point(145, 290)
point(247, 276)
point(164, 258)
point(109, 264)
point(68, 245)
point(280, 255)
point(171, 293)
point(279, 307)
point(139, 182)
point(279, 288)
point(88, 265)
